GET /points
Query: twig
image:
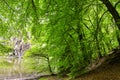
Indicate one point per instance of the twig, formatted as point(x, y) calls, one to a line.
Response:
point(8, 5)
point(117, 3)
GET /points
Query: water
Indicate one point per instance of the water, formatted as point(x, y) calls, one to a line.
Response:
point(16, 69)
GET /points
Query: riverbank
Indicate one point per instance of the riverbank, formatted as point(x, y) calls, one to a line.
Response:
point(109, 71)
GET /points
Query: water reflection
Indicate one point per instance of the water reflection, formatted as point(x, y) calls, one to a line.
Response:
point(11, 68)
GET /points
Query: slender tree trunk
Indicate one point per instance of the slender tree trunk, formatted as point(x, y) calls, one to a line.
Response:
point(115, 15)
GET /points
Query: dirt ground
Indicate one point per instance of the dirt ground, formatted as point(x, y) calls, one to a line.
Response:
point(109, 72)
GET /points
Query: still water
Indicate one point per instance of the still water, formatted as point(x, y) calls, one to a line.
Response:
point(17, 69)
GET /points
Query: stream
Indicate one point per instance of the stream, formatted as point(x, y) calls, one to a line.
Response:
point(22, 69)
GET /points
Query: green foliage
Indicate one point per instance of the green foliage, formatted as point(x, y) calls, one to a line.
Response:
point(32, 52)
point(36, 51)
point(5, 49)
point(74, 32)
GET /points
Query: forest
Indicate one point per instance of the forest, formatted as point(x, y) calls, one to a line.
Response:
point(59, 39)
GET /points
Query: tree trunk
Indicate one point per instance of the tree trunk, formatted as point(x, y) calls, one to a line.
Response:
point(115, 15)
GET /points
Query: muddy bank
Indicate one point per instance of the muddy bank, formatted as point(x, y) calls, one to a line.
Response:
point(109, 72)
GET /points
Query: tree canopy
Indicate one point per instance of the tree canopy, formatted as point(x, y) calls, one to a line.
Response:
point(73, 33)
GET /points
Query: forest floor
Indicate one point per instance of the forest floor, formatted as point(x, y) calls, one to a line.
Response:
point(106, 72)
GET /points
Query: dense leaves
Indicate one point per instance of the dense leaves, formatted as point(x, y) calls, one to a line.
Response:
point(4, 49)
point(73, 33)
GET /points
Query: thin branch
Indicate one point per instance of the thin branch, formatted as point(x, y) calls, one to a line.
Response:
point(117, 3)
point(102, 16)
point(8, 5)
point(35, 9)
point(90, 21)
point(86, 26)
